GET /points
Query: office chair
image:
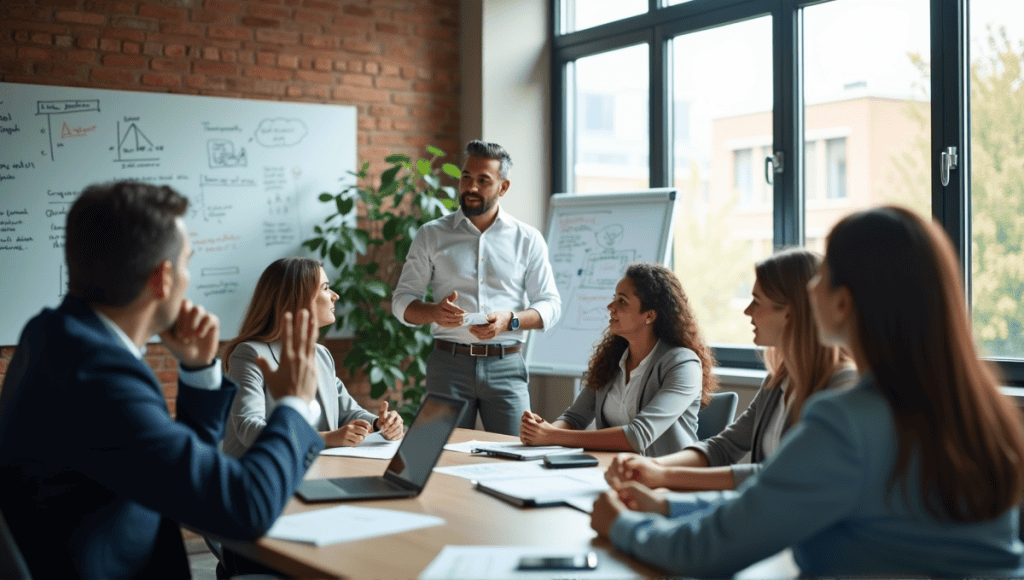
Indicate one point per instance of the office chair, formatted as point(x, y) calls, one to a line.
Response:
point(711, 420)
point(12, 564)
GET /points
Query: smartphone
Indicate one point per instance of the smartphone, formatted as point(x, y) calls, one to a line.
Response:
point(587, 561)
point(566, 460)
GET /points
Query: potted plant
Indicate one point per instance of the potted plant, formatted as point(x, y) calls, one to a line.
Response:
point(368, 254)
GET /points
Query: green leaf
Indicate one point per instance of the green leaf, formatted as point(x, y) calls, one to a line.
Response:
point(435, 151)
point(397, 158)
point(390, 229)
point(376, 374)
point(423, 166)
point(325, 197)
point(344, 205)
point(313, 244)
point(432, 181)
point(337, 254)
point(377, 287)
point(388, 177)
point(452, 170)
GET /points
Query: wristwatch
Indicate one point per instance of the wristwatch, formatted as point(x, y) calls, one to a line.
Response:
point(514, 323)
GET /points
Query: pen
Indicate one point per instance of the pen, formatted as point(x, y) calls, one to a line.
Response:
point(498, 453)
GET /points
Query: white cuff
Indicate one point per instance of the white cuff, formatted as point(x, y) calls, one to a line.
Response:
point(309, 411)
point(208, 378)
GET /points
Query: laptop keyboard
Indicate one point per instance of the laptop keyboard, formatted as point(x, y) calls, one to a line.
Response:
point(360, 485)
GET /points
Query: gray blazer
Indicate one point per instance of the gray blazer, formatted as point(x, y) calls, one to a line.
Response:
point(747, 433)
point(666, 420)
point(253, 402)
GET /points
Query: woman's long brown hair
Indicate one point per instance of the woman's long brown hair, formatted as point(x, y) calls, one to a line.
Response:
point(658, 289)
point(783, 278)
point(913, 329)
point(287, 285)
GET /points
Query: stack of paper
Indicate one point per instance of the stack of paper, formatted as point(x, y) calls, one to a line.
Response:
point(575, 487)
point(346, 524)
point(510, 449)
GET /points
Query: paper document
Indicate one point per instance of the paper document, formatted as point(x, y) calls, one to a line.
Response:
point(510, 449)
point(576, 485)
point(474, 318)
point(493, 469)
point(500, 563)
point(375, 446)
point(346, 524)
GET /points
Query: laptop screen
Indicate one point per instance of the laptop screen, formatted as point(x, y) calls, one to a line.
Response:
point(434, 422)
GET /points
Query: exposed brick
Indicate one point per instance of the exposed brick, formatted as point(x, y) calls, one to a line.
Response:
point(293, 91)
point(268, 87)
point(229, 32)
point(153, 49)
point(267, 73)
point(323, 5)
point(110, 44)
point(229, 56)
point(390, 70)
point(182, 28)
point(323, 64)
point(41, 38)
point(14, 67)
point(125, 34)
point(314, 77)
point(371, 68)
point(366, 124)
point(410, 99)
point(58, 3)
point(270, 12)
point(321, 41)
point(385, 139)
point(391, 83)
point(214, 68)
point(360, 46)
point(387, 111)
point(355, 66)
point(124, 61)
point(254, 22)
point(33, 53)
point(132, 22)
point(351, 94)
point(288, 61)
point(162, 12)
point(211, 53)
point(391, 28)
point(266, 58)
point(277, 36)
point(436, 32)
point(81, 56)
point(312, 17)
point(174, 51)
point(321, 92)
point(227, 6)
point(358, 11)
point(87, 42)
point(113, 75)
point(169, 65)
point(405, 124)
point(357, 80)
point(161, 80)
point(131, 48)
point(80, 17)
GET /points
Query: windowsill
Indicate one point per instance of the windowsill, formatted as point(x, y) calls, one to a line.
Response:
point(753, 377)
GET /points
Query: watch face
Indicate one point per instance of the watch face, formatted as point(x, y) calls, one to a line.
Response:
point(515, 323)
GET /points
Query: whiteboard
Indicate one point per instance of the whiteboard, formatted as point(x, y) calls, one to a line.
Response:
point(252, 170)
point(591, 239)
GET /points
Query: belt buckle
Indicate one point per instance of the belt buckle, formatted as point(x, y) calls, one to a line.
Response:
point(473, 350)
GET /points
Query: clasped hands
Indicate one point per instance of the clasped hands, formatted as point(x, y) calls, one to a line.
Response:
point(624, 476)
point(449, 315)
point(388, 422)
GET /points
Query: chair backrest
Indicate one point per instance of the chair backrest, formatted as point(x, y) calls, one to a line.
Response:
point(717, 415)
point(12, 564)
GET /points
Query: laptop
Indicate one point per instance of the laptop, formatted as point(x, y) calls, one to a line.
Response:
point(410, 467)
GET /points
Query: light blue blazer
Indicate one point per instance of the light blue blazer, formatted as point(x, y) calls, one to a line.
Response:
point(825, 493)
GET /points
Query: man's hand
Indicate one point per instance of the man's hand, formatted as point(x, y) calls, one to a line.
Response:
point(389, 423)
point(447, 314)
point(296, 375)
point(497, 322)
point(192, 339)
point(607, 507)
point(640, 498)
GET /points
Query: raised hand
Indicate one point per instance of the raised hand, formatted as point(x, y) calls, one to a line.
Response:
point(296, 375)
point(193, 337)
point(389, 423)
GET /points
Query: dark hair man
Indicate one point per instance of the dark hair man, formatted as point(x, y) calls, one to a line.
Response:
point(97, 476)
point(483, 261)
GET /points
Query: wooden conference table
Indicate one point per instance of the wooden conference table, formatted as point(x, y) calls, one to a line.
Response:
point(471, 518)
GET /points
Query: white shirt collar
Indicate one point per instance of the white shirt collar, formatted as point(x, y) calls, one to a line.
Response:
point(120, 334)
point(461, 217)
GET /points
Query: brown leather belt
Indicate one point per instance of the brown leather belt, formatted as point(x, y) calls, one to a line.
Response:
point(476, 349)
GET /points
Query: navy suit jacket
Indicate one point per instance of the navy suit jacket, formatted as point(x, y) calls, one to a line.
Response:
point(97, 476)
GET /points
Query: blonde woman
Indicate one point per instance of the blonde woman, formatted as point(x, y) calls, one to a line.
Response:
point(798, 366)
point(290, 284)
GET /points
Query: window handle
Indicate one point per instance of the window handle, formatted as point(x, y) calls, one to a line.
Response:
point(947, 163)
point(773, 164)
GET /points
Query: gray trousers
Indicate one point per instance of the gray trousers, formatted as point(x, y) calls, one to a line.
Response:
point(496, 386)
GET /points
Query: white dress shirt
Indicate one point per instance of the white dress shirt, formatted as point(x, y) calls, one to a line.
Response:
point(623, 400)
point(503, 269)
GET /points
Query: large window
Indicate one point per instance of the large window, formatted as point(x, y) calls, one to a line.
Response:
point(775, 118)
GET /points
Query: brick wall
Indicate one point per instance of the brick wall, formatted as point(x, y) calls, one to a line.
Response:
point(396, 61)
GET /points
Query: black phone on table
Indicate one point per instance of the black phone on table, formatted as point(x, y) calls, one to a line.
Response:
point(586, 561)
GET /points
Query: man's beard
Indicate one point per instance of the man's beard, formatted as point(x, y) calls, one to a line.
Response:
point(473, 211)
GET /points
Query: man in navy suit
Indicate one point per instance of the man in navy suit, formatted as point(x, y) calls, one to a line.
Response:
point(96, 475)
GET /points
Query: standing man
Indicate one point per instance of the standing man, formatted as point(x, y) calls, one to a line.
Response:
point(96, 475)
point(481, 261)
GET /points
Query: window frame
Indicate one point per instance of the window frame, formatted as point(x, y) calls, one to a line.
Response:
point(950, 113)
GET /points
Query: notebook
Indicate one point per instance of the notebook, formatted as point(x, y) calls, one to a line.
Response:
point(409, 468)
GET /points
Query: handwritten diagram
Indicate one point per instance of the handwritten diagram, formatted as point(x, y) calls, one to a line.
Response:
point(222, 153)
point(134, 145)
point(50, 108)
